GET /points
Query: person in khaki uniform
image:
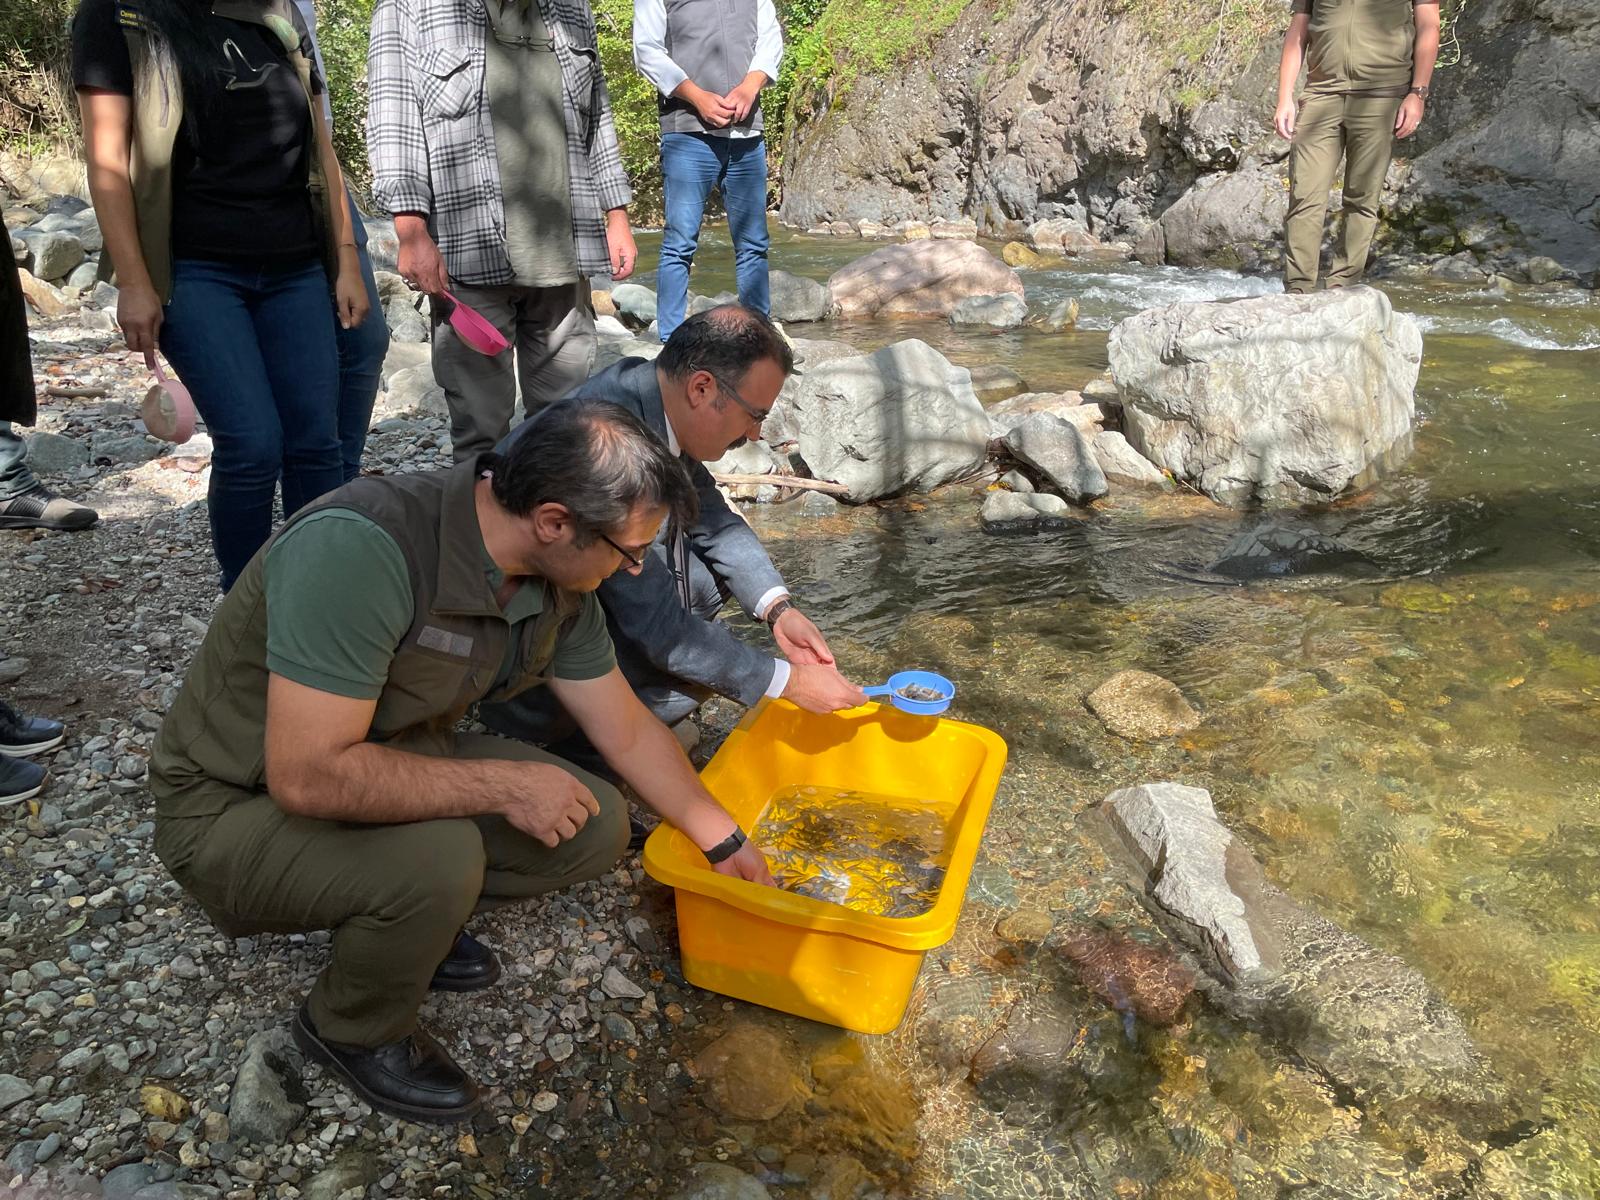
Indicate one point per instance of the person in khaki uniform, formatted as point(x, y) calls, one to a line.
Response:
point(1368, 63)
point(310, 775)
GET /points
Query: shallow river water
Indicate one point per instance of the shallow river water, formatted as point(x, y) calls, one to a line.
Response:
point(1412, 751)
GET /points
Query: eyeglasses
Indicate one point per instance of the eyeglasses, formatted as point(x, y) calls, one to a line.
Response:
point(756, 415)
point(634, 564)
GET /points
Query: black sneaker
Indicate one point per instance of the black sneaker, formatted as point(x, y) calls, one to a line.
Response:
point(413, 1078)
point(469, 966)
point(21, 736)
point(40, 508)
point(19, 780)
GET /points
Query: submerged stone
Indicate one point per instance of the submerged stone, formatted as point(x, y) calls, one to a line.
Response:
point(1147, 982)
point(749, 1074)
point(1272, 550)
point(1140, 705)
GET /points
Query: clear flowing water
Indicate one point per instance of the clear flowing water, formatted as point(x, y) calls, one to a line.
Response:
point(1412, 751)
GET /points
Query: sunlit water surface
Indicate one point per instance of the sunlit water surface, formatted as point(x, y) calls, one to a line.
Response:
point(1412, 750)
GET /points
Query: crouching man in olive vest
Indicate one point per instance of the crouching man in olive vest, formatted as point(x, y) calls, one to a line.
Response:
point(310, 775)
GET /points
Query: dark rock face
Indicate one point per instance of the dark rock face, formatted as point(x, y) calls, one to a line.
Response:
point(1068, 111)
point(1273, 551)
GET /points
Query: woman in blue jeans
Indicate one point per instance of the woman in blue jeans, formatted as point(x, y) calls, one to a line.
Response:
point(226, 224)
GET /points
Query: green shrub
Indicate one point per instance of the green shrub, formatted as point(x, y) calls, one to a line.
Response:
point(343, 30)
point(37, 110)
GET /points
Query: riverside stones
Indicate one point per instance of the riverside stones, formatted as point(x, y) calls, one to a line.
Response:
point(1057, 451)
point(1005, 311)
point(1140, 706)
point(1123, 464)
point(749, 1074)
point(1069, 406)
point(719, 1181)
point(795, 298)
point(1364, 1019)
point(636, 304)
point(52, 253)
point(1016, 511)
point(919, 279)
point(1279, 399)
point(900, 419)
point(268, 1099)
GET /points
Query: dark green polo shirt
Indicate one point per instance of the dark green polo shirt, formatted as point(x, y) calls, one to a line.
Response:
point(1360, 47)
point(339, 602)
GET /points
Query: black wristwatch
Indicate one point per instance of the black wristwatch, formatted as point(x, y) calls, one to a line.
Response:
point(726, 848)
point(777, 609)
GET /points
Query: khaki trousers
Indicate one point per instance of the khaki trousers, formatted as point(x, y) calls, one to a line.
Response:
point(394, 895)
point(1359, 130)
point(551, 331)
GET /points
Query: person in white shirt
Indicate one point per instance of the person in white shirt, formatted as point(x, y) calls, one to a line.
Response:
point(709, 60)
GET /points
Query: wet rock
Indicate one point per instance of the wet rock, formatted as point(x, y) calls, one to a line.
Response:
point(838, 1177)
point(1005, 311)
point(993, 382)
point(719, 1181)
point(268, 1098)
point(1014, 511)
point(749, 1074)
point(1061, 236)
point(1543, 269)
point(795, 298)
point(1123, 464)
point(1062, 317)
point(922, 278)
point(1281, 548)
point(1364, 1019)
point(1147, 981)
point(1024, 927)
point(1029, 1061)
point(635, 304)
point(1139, 705)
point(1278, 399)
point(901, 419)
point(1059, 455)
point(1015, 254)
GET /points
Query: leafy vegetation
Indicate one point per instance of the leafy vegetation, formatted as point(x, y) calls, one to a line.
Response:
point(36, 106)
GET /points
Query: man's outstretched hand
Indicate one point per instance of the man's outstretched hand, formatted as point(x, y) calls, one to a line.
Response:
point(800, 640)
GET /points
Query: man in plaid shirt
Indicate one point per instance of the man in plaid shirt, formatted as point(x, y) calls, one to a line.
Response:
point(492, 144)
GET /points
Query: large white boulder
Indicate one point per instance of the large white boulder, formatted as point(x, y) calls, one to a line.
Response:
point(1278, 399)
point(901, 419)
point(919, 279)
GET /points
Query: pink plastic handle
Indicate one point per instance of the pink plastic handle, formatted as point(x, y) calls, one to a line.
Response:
point(154, 363)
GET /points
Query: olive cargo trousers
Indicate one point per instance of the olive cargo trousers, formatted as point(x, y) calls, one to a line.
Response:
point(1360, 131)
point(394, 895)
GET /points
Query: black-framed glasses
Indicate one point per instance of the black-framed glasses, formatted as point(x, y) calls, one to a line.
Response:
point(634, 564)
point(756, 415)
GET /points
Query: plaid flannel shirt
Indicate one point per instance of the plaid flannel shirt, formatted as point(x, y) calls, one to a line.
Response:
point(432, 146)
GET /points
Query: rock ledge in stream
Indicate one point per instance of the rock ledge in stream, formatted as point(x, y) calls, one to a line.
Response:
point(1364, 1019)
point(1278, 399)
point(920, 279)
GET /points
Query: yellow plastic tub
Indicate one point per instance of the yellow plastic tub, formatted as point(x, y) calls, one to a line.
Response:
point(805, 956)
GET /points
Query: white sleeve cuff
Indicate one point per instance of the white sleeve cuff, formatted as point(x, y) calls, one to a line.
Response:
point(780, 678)
point(768, 598)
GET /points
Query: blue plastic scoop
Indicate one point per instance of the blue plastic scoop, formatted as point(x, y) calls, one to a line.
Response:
point(915, 682)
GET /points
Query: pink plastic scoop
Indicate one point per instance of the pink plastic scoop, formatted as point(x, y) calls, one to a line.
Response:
point(167, 409)
point(475, 329)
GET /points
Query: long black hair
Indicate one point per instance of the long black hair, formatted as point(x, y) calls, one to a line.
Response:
point(178, 34)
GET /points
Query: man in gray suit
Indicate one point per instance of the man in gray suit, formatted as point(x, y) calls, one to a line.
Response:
point(715, 380)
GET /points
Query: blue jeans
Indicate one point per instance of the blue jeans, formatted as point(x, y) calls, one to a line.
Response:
point(361, 354)
point(691, 165)
point(256, 349)
point(15, 477)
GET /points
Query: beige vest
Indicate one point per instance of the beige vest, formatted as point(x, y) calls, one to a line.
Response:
point(157, 114)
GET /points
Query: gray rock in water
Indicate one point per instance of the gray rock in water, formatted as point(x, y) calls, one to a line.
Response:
point(268, 1098)
point(1016, 511)
point(818, 504)
point(1272, 550)
point(55, 453)
point(719, 1181)
point(1016, 481)
point(1279, 399)
point(1057, 451)
point(902, 419)
point(1364, 1019)
point(635, 303)
point(795, 298)
point(993, 382)
point(53, 255)
point(1123, 464)
point(1004, 311)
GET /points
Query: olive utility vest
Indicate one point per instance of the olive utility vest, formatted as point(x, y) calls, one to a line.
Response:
point(713, 42)
point(211, 749)
point(158, 112)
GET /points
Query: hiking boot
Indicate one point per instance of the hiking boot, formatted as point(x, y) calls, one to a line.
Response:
point(19, 780)
point(21, 736)
point(40, 508)
point(469, 966)
point(412, 1078)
